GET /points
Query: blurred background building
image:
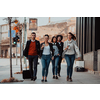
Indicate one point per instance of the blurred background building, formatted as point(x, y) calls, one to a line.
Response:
point(52, 29)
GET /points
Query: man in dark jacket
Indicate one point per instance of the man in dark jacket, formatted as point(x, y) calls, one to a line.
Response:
point(32, 51)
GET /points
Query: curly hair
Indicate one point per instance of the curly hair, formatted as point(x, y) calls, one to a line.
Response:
point(59, 36)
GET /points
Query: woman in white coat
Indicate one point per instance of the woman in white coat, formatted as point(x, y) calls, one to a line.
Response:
point(70, 51)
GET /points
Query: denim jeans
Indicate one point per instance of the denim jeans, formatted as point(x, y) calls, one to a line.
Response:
point(55, 65)
point(45, 60)
point(33, 60)
point(59, 64)
point(70, 61)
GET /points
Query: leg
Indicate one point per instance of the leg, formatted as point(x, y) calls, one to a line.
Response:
point(56, 64)
point(67, 58)
point(53, 67)
point(71, 67)
point(31, 65)
point(47, 65)
point(43, 61)
point(35, 59)
point(59, 65)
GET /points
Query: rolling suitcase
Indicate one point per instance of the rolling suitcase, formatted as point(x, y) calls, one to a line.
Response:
point(79, 69)
point(26, 74)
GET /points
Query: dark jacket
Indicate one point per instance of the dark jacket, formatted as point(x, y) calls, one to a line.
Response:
point(25, 52)
point(61, 48)
point(51, 49)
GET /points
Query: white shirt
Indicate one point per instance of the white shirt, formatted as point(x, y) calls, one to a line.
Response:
point(32, 40)
point(46, 50)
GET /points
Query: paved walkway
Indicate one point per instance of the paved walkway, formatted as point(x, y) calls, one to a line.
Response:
point(78, 77)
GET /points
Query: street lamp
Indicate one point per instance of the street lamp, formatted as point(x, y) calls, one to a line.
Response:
point(9, 20)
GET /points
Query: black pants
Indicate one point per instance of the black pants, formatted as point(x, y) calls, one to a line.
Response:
point(59, 64)
point(33, 60)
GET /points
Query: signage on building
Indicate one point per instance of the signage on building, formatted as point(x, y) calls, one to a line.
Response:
point(32, 24)
point(13, 33)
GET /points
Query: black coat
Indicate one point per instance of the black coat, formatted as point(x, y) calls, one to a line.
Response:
point(61, 48)
point(25, 52)
point(51, 49)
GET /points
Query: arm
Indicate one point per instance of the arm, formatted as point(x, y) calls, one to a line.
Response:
point(25, 50)
point(62, 48)
point(65, 47)
point(41, 46)
point(77, 50)
point(39, 49)
point(59, 48)
point(52, 49)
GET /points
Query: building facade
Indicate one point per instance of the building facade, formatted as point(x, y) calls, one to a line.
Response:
point(88, 34)
point(52, 29)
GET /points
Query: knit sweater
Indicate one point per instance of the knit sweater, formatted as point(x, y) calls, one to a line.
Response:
point(32, 49)
point(72, 49)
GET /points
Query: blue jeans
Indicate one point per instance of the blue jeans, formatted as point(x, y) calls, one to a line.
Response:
point(55, 64)
point(70, 61)
point(33, 60)
point(45, 60)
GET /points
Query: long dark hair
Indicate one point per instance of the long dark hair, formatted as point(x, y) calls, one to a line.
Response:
point(73, 36)
point(53, 38)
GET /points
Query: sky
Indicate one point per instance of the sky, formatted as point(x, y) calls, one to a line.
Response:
point(41, 20)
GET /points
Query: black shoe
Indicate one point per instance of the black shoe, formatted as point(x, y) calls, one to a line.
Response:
point(53, 77)
point(59, 75)
point(42, 80)
point(45, 80)
point(34, 78)
point(56, 77)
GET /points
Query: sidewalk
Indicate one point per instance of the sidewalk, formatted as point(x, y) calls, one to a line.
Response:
point(78, 77)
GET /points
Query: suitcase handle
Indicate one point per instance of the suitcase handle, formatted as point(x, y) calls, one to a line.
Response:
point(26, 64)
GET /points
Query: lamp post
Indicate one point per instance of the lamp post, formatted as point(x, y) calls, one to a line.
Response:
point(9, 20)
point(25, 39)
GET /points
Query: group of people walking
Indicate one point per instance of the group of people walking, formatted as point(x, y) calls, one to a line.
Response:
point(52, 51)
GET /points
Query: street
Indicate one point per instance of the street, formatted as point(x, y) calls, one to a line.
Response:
point(78, 77)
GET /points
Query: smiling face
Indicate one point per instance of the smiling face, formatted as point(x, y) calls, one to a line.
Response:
point(54, 39)
point(46, 38)
point(69, 36)
point(59, 38)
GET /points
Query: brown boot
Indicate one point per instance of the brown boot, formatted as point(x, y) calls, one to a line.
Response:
point(70, 79)
point(67, 78)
